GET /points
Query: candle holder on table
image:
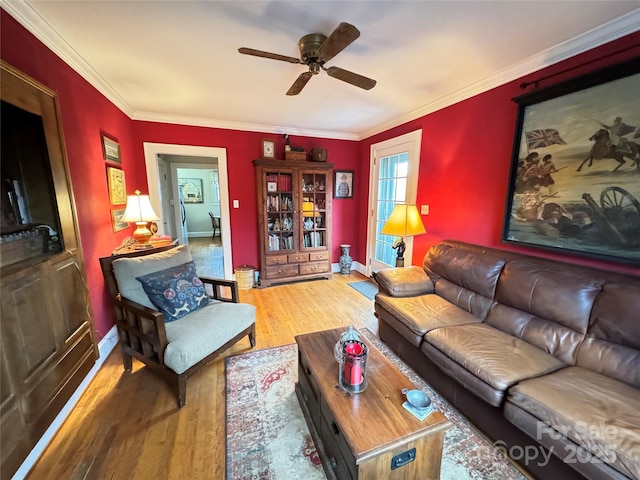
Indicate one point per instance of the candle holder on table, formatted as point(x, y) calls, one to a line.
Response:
point(352, 376)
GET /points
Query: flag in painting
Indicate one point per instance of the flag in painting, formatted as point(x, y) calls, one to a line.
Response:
point(543, 138)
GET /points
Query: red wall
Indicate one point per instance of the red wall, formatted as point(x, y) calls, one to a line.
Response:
point(466, 157)
point(464, 165)
point(86, 113)
point(242, 148)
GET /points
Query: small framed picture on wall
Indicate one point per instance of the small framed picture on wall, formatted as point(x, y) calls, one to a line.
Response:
point(117, 186)
point(343, 184)
point(116, 220)
point(111, 150)
point(268, 149)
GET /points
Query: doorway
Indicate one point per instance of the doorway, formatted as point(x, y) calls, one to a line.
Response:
point(189, 157)
point(393, 180)
point(198, 197)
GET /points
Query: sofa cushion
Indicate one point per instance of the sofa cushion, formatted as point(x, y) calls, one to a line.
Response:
point(552, 337)
point(404, 282)
point(495, 357)
point(473, 271)
point(612, 346)
point(175, 291)
point(423, 313)
point(563, 298)
point(463, 377)
point(547, 308)
point(204, 331)
point(127, 269)
point(597, 412)
point(466, 279)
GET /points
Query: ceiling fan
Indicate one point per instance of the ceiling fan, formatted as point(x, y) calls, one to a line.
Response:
point(315, 50)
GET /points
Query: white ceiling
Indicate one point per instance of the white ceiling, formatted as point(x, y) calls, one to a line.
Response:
point(177, 61)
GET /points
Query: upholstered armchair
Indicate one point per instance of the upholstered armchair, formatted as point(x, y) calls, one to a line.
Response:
point(169, 318)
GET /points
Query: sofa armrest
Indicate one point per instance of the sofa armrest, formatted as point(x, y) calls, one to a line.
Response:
point(404, 282)
point(221, 289)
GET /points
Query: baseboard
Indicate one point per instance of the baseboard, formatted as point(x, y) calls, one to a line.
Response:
point(357, 266)
point(208, 234)
point(105, 347)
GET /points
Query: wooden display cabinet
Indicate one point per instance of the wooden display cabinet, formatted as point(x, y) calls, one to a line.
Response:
point(294, 220)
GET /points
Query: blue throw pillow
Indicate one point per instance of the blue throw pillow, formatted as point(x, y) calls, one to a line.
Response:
point(176, 291)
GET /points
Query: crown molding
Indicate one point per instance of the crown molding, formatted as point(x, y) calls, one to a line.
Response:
point(607, 32)
point(246, 127)
point(34, 23)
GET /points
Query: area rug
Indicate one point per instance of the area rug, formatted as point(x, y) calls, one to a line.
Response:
point(268, 438)
point(366, 288)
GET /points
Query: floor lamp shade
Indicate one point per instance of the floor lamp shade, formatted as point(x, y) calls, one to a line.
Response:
point(404, 221)
point(140, 211)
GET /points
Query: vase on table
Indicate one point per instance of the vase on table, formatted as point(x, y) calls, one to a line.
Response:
point(345, 260)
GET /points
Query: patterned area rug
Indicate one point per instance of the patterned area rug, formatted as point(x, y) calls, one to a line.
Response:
point(267, 437)
point(366, 288)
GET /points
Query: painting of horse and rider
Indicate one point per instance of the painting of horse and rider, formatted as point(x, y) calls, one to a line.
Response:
point(575, 177)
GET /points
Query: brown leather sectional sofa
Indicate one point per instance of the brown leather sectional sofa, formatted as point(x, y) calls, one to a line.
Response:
point(540, 355)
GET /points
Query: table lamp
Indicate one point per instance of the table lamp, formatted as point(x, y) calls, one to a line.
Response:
point(404, 221)
point(140, 211)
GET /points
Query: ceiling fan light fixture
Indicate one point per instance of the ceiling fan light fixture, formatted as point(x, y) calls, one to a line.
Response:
point(315, 50)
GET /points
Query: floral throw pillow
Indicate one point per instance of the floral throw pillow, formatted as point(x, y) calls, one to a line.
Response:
point(176, 291)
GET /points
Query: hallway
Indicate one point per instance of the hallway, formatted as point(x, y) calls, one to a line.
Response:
point(207, 255)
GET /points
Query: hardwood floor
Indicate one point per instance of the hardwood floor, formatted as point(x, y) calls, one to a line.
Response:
point(128, 425)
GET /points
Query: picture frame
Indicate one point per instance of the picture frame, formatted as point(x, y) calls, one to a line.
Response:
point(116, 223)
point(573, 185)
point(343, 183)
point(111, 150)
point(191, 190)
point(272, 187)
point(268, 148)
point(117, 186)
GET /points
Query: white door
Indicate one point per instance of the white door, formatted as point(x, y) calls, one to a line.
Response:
point(164, 178)
point(394, 179)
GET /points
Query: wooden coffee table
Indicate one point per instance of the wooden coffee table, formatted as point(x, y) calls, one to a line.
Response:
point(369, 435)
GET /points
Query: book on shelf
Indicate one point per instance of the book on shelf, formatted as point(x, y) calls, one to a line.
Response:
point(313, 239)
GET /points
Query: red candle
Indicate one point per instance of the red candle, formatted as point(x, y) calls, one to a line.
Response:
point(356, 374)
point(354, 349)
point(354, 358)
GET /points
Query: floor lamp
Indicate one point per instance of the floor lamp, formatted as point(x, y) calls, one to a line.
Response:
point(404, 221)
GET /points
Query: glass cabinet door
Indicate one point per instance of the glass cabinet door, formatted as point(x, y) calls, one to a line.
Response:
point(313, 213)
point(279, 211)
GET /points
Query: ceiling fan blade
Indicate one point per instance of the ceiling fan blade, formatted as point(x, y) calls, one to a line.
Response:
point(340, 38)
point(352, 78)
point(299, 84)
point(272, 56)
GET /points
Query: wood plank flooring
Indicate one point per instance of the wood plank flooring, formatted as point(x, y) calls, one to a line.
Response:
point(128, 425)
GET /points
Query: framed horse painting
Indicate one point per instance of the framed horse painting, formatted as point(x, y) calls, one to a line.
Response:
point(575, 171)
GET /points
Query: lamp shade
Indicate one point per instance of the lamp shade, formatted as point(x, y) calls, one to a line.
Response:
point(139, 209)
point(404, 221)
